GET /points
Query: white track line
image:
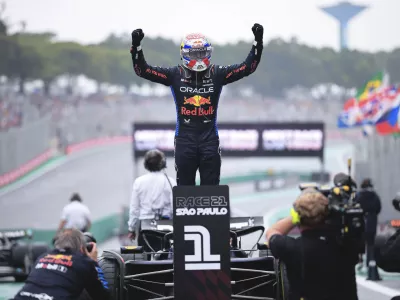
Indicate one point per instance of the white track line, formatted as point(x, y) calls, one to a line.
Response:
point(376, 287)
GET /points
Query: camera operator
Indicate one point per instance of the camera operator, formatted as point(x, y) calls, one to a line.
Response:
point(318, 267)
point(67, 272)
point(371, 205)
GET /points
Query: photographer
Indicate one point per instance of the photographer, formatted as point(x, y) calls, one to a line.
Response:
point(67, 272)
point(318, 267)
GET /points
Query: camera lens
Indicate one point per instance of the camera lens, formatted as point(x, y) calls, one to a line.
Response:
point(89, 247)
point(89, 238)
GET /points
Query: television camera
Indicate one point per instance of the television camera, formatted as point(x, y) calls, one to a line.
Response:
point(346, 217)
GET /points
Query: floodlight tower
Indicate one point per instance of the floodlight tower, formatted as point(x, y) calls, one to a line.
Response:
point(343, 12)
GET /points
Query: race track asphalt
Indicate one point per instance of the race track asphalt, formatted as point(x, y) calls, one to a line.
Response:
point(103, 177)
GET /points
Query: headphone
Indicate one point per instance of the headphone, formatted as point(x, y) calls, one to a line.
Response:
point(153, 157)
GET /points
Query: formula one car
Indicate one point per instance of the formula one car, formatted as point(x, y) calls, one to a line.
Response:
point(18, 256)
point(132, 275)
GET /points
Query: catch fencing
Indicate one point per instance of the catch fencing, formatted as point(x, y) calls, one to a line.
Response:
point(93, 120)
point(21, 145)
point(379, 159)
point(70, 125)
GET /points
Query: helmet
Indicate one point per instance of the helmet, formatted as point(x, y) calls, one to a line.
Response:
point(196, 52)
point(154, 160)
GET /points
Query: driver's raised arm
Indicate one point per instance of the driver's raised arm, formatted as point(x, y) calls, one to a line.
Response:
point(232, 73)
point(142, 69)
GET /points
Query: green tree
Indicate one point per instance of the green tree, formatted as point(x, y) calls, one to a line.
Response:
point(73, 59)
point(50, 56)
point(120, 68)
point(97, 67)
point(284, 64)
point(24, 62)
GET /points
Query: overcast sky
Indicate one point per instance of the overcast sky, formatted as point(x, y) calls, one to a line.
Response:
point(222, 20)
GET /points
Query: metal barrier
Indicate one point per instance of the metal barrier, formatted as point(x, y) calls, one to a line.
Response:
point(20, 145)
point(94, 120)
point(381, 163)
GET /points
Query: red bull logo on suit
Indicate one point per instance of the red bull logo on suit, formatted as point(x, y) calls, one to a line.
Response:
point(197, 101)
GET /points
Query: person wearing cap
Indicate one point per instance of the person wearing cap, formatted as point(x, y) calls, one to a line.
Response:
point(75, 215)
point(151, 193)
point(371, 205)
point(317, 266)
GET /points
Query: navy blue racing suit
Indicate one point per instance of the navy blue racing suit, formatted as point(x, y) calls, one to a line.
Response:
point(64, 275)
point(196, 96)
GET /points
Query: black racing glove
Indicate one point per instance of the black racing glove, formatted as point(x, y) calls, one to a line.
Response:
point(137, 37)
point(258, 32)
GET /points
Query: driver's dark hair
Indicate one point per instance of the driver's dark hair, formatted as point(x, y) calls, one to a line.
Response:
point(154, 160)
point(76, 197)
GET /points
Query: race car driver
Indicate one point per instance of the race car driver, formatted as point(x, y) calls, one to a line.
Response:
point(151, 193)
point(67, 272)
point(196, 86)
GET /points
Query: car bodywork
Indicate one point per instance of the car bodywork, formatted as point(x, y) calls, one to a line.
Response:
point(18, 253)
point(252, 276)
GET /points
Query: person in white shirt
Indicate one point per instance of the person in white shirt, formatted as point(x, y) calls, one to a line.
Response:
point(151, 193)
point(75, 215)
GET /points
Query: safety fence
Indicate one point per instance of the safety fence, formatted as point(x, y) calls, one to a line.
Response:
point(18, 146)
point(44, 158)
point(87, 121)
point(379, 159)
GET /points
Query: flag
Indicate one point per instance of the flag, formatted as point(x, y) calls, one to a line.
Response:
point(366, 107)
point(390, 121)
point(378, 81)
point(348, 116)
point(368, 130)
